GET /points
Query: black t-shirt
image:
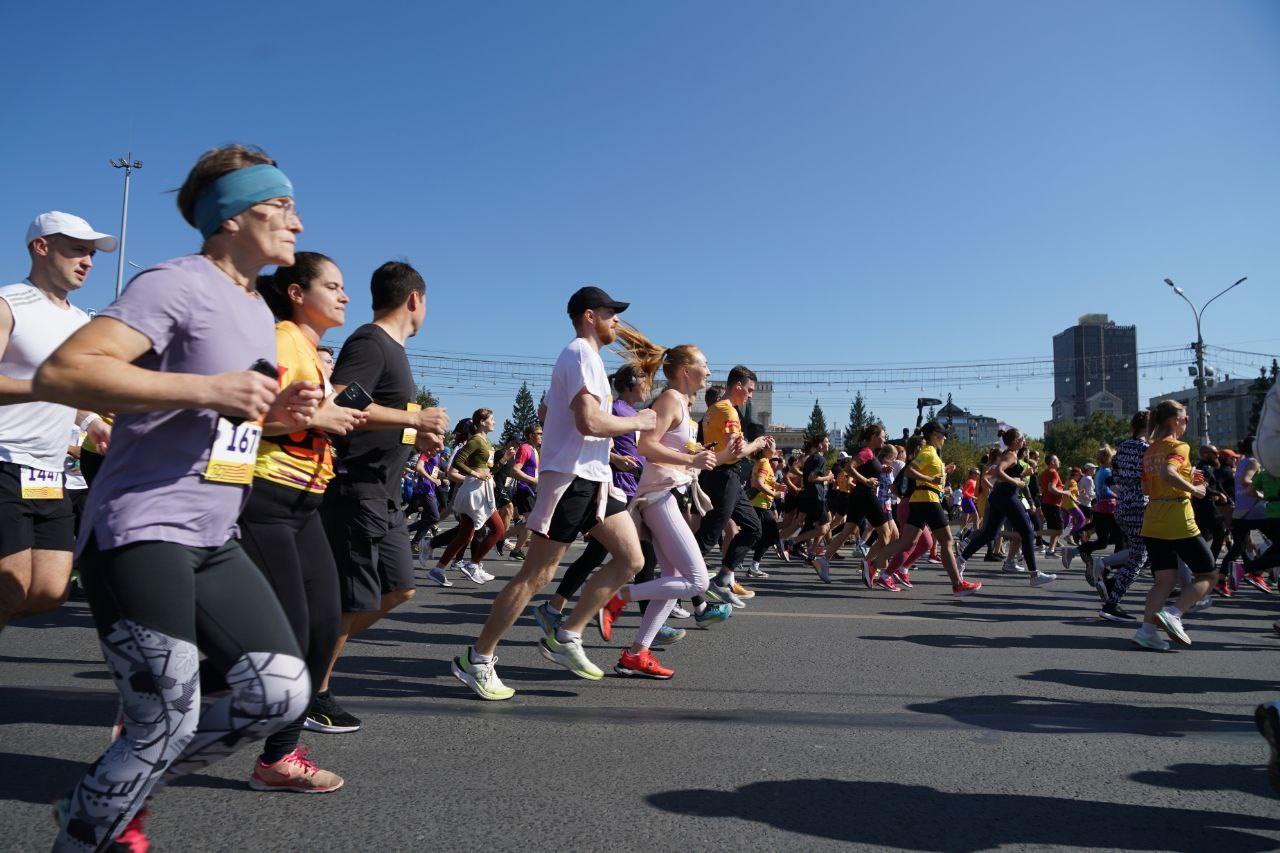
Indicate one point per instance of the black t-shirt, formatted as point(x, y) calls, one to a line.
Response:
point(370, 462)
point(815, 465)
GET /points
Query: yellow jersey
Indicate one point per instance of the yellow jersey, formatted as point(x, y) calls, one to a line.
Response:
point(720, 425)
point(929, 463)
point(1169, 514)
point(303, 459)
point(764, 471)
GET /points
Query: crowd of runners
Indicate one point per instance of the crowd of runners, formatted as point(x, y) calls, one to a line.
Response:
point(237, 505)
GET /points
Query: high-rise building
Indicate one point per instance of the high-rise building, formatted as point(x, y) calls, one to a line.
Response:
point(1095, 369)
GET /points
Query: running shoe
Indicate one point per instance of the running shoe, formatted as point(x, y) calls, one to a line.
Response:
point(859, 549)
point(133, 838)
point(1009, 567)
point(480, 677)
point(548, 620)
point(903, 578)
point(607, 616)
point(1103, 589)
point(438, 577)
point(1172, 625)
point(1149, 638)
point(883, 580)
point(516, 554)
point(713, 614)
point(326, 715)
point(742, 592)
point(1203, 604)
point(1050, 553)
point(1115, 613)
point(500, 546)
point(781, 551)
point(1223, 589)
point(725, 594)
point(966, 587)
point(822, 567)
point(1259, 581)
point(1267, 718)
point(679, 612)
point(295, 773)
point(961, 565)
point(992, 557)
point(570, 656)
point(868, 573)
point(643, 665)
point(1042, 579)
point(1090, 571)
point(756, 573)
point(667, 635)
point(473, 571)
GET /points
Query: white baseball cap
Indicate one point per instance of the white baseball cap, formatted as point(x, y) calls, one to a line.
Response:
point(57, 222)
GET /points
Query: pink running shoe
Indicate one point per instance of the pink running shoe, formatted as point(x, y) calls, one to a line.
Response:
point(133, 838)
point(887, 582)
point(966, 587)
point(903, 578)
point(294, 773)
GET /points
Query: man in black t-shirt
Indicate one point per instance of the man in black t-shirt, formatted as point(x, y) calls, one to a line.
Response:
point(361, 511)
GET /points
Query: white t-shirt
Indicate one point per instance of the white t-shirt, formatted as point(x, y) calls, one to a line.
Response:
point(564, 449)
point(35, 434)
point(71, 467)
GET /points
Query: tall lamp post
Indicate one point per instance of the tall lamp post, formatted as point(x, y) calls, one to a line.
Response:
point(129, 165)
point(1202, 391)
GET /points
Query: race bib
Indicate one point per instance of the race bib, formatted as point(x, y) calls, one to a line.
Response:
point(234, 452)
point(410, 435)
point(40, 485)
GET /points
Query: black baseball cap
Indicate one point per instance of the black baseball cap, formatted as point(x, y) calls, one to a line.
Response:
point(593, 297)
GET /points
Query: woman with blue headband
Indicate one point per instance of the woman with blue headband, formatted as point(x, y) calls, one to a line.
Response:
point(186, 357)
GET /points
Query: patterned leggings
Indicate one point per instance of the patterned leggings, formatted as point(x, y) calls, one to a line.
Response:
point(157, 606)
point(1130, 520)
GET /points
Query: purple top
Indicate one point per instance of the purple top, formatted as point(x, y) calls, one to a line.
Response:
point(151, 486)
point(625, 445)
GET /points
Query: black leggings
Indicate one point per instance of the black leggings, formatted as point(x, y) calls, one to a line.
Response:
point(281, 532)
point(768, 535)
point(729, 500)
point(1108, 533)
point(1003, 506)
point(592, 558)
point(430, 515)
point(1269, 558)
point(157, 606)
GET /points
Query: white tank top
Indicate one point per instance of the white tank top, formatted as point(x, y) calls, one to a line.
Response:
point(658, 476)
point(35, 434)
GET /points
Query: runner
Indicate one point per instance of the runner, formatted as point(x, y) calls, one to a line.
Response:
point(361, 510)
point(1104, 518)
point(928, 478)
point(280, 525)
point(1250, 513)
point(1169, 528)
point(1006, 505)
point(671, 456)
point(165, 577)
point(574, 497)
point(37, 519)
point(865, 504)
point(1130, 509)
point(1052, 491)
point(969, 503)
point(475, 504)
point(764, 481)
point(525, 474)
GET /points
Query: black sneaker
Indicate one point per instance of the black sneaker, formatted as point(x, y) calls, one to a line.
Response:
point(326, 715)
point(1268, 720)
point(1115, 613)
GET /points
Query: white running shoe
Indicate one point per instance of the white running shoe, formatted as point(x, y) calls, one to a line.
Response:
point(1068, 554)
point(679, 612)
point(474, 571)
point(1042, 579)
point(726, 595)
point(438, 577)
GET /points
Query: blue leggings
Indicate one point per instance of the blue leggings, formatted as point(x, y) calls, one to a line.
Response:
point(1003, 506)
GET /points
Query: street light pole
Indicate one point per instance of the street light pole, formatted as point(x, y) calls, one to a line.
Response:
point(1202, 390)
point(129, 165)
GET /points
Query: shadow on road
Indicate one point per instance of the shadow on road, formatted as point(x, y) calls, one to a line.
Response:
point(917, 817)
point(1040, 715)
point(37, 778)
point(1132, 682)
point(1247, 779)
point(58, 707)
point(1084, 642)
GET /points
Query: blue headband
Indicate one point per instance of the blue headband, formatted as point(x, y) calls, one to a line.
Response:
point(237, 191)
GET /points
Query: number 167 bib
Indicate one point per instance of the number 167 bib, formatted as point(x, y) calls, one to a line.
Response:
point(234, 452)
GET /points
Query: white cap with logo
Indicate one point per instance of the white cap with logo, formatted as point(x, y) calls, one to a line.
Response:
point(57, 222)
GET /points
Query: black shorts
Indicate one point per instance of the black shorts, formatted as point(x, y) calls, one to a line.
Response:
point(47, 524)
point(1052, 517)
point(814, 510)
point(864, 506)
point(524, 500)
point(575, 512)
point(370, 542)
point(838, 502)
point(926, 516)
point(1165, 553)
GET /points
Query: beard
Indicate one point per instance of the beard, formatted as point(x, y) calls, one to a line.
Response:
point(606, 333)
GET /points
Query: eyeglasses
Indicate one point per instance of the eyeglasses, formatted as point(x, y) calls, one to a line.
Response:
point(288, 208)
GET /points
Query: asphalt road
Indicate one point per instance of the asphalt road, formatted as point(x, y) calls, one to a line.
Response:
point(820, 716)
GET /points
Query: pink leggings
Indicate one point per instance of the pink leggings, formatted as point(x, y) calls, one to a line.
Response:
point(923, 543)
point(684, 571)
point(1072, 519)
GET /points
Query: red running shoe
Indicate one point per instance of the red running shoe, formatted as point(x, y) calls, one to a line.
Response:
point(903, 578)
point(1259, 581)
point(886, 581)
point(134, 837)
point(1223, 589)
point(643, 665)
point(608, 615)
point(966, 587)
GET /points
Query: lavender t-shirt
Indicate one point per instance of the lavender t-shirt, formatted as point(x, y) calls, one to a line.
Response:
point(151, 486)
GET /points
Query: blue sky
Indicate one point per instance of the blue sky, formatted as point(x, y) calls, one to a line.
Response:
point(819, 182)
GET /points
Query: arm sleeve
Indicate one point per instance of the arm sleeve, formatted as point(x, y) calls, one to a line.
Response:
point(156, 304)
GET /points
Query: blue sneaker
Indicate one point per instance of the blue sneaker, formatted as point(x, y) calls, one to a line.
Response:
point(713, 614)
point(548, 620)
point(667, 635)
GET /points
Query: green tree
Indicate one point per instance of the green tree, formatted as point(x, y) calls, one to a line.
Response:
point(425, 398)
point(860, 417)
point(817, 423)
point(524, 414)
point(1258, 389)
point(965, 456)
point(1078, 443)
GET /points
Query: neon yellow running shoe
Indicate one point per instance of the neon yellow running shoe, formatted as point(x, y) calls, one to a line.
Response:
point(570, 656)
point(481, 677)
